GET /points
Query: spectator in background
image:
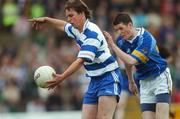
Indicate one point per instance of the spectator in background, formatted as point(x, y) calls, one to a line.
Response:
point(37, 10)
point(9, 14)
point(165, 53)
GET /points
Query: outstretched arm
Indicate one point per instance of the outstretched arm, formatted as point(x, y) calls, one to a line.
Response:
point(56, 23)
point(58, 78)
point(126, 58)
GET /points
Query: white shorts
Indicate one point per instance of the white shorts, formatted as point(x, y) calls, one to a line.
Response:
point(150, 88)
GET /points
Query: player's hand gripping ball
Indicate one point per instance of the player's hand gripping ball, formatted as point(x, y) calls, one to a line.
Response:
point(43, 74)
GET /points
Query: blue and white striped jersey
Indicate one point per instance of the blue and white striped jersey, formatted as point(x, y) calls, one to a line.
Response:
point(94, 49)
point(144, 49)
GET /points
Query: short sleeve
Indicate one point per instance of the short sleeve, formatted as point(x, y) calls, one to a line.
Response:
point(68, 28)
point(89, 49)
point(141, 53)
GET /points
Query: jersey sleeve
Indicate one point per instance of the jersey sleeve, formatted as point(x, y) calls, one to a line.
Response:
point(68, 28)
point(89, 49)
point(143, 49)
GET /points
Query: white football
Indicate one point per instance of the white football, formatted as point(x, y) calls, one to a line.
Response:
point(43, 74)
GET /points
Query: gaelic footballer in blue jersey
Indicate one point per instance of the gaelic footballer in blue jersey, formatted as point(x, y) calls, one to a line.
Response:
point(137, 47)
point(100, 100)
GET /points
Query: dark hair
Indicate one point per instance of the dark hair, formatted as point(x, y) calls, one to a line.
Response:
point(79, 6)
point(122, 18)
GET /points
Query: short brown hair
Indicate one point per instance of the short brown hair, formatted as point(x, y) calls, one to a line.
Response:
point(79, 6)
point(122, 18)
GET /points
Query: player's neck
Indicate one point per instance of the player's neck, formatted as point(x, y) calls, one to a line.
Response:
point(81, 28)
point(134, 33)
point(82, 25)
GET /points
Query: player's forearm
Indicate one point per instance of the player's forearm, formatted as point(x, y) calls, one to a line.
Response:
point(56, 23)
point(73, 68)
point(120, 63)
point(129, 72)
point(126, 58)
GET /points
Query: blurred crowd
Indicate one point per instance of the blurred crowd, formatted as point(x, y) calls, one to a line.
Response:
point(22, 49)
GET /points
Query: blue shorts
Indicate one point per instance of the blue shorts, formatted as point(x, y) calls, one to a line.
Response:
point(106, 85)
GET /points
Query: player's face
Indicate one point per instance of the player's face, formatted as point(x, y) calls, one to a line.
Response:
point(76, 19)
point(125, 31)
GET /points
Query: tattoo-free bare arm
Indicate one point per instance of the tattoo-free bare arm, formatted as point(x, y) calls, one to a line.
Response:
point(55, 23)
point(73, 68)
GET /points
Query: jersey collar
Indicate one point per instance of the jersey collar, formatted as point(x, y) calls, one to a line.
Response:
point(140, 32)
